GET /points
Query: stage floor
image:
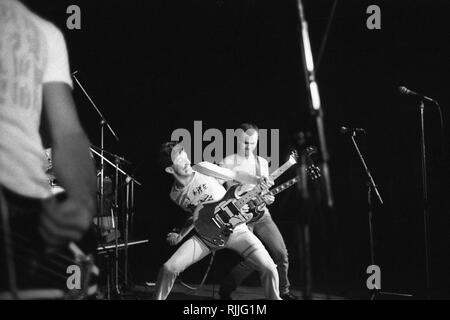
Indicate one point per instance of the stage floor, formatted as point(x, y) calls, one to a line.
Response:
point(183, 291)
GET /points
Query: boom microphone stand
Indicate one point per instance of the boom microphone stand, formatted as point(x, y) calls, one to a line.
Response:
point(371, 186)
point(103, 123)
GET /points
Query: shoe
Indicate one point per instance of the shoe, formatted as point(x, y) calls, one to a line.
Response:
point(289, 296)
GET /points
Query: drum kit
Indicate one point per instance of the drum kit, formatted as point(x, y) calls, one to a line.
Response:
point(104, 219)
point(115, 211)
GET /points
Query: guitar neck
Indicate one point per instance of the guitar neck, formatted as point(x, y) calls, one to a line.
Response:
point(247, 197)
point(285, 185)
point(283, 168)
point(257, 190)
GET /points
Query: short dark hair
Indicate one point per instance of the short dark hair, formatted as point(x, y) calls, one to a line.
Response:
point(247, 126)
point(165, 151)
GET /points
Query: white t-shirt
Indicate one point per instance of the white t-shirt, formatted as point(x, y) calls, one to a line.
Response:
point(236, 162)
point(199, 190)
point(32, 52)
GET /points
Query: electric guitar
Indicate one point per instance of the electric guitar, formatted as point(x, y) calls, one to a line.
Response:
point(257, 204)
point(29, 270)
point(214, 221)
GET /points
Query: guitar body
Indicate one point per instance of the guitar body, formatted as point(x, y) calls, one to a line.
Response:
point(256, 207)
point(215, 221)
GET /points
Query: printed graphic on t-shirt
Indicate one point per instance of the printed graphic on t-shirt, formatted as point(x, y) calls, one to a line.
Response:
point(201, 189)
point(22, 59)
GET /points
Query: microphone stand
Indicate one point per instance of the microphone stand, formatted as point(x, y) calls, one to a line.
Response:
point(317, 112)
point(130, 181)
point(425, 204)
point(112, 155)
point(118, 169)
point(425, 196)
point(129, 205)
point(305, 229)
point(103, 122)
point(314, 101)
point(116, 227)
point(371, 186)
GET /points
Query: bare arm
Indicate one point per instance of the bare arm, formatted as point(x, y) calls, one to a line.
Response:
point(188, 226)
point(70, 146)
point(224, 174)
point(72, 163)
point(175, 237)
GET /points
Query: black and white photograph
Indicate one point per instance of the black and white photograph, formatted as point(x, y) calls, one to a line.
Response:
point(223, 153)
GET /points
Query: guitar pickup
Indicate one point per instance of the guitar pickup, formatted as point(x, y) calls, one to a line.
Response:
point(217, 223)
point(232, 210)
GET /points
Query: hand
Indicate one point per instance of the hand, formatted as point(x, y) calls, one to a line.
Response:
point(174, 238)
point(245, 209)
point(228, 230)
point(64, 221)
point(246, 213)
point(268, 198)
point(266, 183)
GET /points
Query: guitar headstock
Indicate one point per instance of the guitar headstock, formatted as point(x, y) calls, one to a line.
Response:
point(313, 172)
point(308, 151)
point(293, 157)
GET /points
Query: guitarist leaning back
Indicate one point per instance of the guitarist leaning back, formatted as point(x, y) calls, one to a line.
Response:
point(189, 190)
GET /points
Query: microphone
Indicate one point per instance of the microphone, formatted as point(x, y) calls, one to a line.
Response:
point(75, 72)
point(345, 130)
point(405, 91)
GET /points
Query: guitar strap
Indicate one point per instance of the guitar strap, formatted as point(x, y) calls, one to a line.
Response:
point(258, 166)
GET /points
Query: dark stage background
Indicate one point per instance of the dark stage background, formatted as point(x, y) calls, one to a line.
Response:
point(155, 66)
